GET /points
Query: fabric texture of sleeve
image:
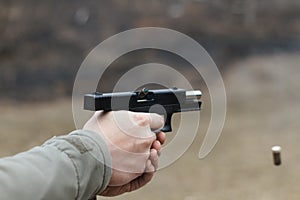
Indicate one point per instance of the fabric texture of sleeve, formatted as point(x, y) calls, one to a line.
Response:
point(75, 166)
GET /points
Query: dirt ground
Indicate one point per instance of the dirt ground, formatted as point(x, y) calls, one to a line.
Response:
point(263, 110)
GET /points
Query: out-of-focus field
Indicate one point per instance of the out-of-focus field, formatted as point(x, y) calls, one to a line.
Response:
point(263, 110)
point(27, 125)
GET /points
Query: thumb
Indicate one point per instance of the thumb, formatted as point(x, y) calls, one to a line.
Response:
point(153, 120)
point(156, 121)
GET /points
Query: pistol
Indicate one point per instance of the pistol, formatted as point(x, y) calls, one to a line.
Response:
point(161, 101)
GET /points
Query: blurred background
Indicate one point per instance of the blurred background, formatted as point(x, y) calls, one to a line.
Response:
point(255, 44)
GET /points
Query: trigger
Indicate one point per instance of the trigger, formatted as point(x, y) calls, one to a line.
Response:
point(167, 127)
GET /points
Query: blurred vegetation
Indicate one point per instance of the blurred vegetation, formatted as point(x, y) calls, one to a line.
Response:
point(43, 42)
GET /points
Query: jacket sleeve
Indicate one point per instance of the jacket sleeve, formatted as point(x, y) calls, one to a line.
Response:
point(75, 166)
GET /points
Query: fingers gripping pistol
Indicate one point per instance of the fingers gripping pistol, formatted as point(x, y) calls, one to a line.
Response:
point(162, 101)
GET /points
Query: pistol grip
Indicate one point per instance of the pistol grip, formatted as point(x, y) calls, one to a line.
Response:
point(168, 126)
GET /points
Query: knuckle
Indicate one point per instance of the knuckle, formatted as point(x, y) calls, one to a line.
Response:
point(142, 120)
point(154, 154)
point(148, 142)
point(147, 155)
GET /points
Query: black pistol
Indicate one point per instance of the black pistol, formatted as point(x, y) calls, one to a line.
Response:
point(162, 101)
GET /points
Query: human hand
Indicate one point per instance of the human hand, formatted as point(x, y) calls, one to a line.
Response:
point(129, 138)
point(146, 177)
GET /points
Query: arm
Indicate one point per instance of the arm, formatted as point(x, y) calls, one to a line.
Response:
point(67, 167)
point(87, 162)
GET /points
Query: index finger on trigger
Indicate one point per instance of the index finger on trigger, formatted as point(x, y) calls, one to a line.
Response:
point(161, 137)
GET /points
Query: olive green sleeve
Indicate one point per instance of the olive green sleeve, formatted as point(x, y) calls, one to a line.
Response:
point(75, 166)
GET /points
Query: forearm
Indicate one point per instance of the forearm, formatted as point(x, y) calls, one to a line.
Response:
point(66, 167)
